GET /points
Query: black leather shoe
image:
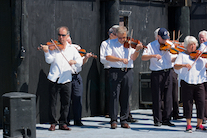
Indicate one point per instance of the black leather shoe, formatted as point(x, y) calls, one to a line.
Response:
point(78, 123)
point(177, 117)
point(125, 125)
point(167, 123)
point(158, 124)
point(68, 124)
point(64, 127)
point(132, 120)
point(113, 125)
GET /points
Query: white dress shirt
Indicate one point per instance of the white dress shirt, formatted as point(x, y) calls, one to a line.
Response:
point(203, 46)
point(153, 48)
point(103, 47)
point(59, 67)
point(116, 49)
point(196, 75)
point(77, 69)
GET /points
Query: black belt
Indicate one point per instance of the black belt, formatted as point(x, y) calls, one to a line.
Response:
point(75, 74)
point(122, 69)
point(164, 70)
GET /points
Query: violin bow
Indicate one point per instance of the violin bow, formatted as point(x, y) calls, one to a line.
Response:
point(131, 36)
point(179, 37)
point(173, 35)
point(197, 58)
point(62, 54)
point(130, 41)
point(129, 47)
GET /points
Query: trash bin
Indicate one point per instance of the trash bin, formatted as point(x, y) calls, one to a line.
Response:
point(19, 115)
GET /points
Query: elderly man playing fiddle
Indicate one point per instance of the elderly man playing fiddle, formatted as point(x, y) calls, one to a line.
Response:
point(161, 78)
point(120, 76)
point(60, 77)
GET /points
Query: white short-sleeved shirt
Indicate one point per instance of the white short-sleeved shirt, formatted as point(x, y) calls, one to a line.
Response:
point(60, 67)
point(103, 60)
point(116, 49)
point(196, 75)
point(153, 48)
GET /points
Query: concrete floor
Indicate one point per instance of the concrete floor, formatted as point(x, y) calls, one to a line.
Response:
point(99, 127)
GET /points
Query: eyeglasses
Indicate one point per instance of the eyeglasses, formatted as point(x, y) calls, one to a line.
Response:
point(122, 38)
point(63, 35)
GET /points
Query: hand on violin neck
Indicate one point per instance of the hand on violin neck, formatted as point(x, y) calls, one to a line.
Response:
point(139, 47)
point(45, 48)
point(88, 55)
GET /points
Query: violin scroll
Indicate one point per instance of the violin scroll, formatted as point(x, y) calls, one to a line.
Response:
point(53, 46)
point(83, 53)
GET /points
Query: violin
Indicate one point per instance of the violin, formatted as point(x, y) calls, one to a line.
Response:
point(52, 46)
point(178, 47)
point(198, 53)
point(132, 42)
point(83, 53)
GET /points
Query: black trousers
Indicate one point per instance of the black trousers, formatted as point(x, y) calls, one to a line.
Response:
point(65, 91)
point(76, 97)
point(161, 85)
point(107, 89)
point(205, 112)
point(120, 88)
point(192, 92)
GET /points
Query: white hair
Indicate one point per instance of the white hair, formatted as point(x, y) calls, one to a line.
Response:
point(204, 32)
point(113, 29)
point(121, 30)
point(156, 33)
point(69, 40)
point(190, 40)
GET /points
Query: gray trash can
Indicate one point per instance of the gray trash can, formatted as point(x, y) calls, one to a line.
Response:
point(19, 115)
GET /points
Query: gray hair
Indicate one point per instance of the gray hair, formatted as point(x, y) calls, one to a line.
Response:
point(204, 32)
point(121, 30)
point(69, 40)
point(190, 40)
point(113, 29)
point(65, 27)
point(156, 33)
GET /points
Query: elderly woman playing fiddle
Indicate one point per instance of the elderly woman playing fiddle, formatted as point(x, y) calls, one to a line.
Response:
point(192, 73)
